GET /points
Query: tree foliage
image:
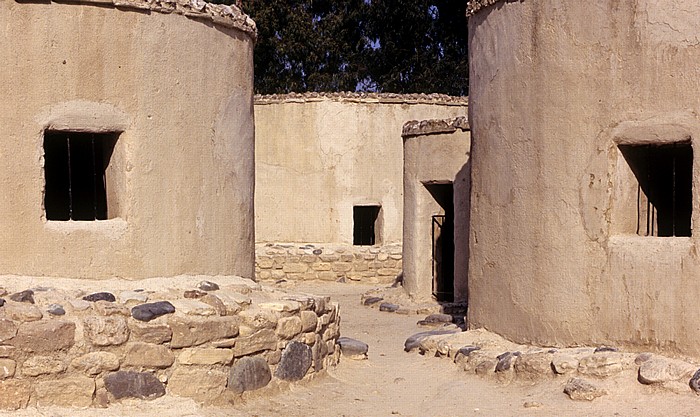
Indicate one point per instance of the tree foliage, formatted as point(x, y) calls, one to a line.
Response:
point(401, 46)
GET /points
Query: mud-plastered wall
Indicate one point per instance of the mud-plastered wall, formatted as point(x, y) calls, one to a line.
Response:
point(576, 112)
point(164, 91)
point(436, 208)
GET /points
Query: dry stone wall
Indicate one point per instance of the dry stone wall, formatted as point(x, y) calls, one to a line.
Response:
point(71, 349)
point(369, 264)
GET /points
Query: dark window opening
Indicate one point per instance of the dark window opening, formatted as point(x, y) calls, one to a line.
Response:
point(74, 169)
point(365, 224)
point(665, 190)
point(443, 250)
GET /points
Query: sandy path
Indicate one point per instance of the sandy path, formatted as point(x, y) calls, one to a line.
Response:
point(393, 382)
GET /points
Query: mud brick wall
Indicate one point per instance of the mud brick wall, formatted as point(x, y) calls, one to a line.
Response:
point(213, 346)
point(368, 264)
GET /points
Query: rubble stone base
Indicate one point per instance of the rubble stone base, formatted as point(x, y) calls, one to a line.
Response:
point(211, 345)
point(367, 264)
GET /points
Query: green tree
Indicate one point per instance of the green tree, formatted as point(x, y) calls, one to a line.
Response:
point(421, 46)
point(307, 45)
point(401, 46)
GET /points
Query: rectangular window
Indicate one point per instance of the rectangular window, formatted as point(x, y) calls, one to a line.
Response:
point(366, 225)
point(664, 175)
point(74, 169)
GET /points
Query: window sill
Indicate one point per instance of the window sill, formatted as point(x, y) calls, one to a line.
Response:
point(640, 242)
point(113, 228)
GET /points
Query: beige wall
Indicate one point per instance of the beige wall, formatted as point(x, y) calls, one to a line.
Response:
point(317, 157)
point(554, 87)
point(179, 90)
point(434, 158)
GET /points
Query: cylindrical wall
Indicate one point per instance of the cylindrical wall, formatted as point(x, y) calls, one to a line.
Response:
point(555, 87)
point(442, 159)
point(177, 90)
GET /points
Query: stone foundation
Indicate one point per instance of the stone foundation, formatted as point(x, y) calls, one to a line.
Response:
point(212, 345)
point(367, 264)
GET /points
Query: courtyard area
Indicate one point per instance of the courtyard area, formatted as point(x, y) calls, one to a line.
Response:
point(392, 382)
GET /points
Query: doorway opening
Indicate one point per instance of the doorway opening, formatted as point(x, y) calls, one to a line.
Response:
point(443, 250)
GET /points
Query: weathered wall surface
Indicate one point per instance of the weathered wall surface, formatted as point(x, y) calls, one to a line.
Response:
point(435, 152)
point(554, 86)
point(318, 155)
point(180, 91)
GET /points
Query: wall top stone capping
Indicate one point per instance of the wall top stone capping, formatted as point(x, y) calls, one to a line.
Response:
point(219, 14)
point(377, 98)
point(432, 126)
point(474, 6)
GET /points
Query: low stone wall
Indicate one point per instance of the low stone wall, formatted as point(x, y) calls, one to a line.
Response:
point(584, 373)
point(78, 349)
point(368, 264)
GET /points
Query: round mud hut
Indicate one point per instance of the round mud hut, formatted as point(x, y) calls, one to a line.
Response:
point(584, 121)
point(127, 146)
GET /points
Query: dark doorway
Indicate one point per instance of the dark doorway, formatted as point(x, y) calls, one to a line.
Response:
point(443, 250)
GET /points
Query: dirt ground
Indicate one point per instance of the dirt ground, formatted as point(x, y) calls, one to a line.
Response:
point(394, 383)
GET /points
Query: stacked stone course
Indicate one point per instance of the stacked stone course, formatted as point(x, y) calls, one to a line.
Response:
point(212, 348)
point(367, 264)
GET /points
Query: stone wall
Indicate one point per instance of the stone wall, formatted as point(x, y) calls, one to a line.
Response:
point(369, 264)
point(212, 345)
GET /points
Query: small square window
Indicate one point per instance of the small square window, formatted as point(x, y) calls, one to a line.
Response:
point(366, 225)
point(664, 175)
point(74, 170)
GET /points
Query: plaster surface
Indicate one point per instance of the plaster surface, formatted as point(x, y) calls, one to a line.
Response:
point(555, 87)
point(177, 88)
point(435, 152)
point(319, 155)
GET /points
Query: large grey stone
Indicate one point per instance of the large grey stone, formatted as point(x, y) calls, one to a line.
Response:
point(100, 296)
point(658, 370)
point(208, 286)
point(353, 349)
point(581, 390)
point(295, 362)
point(26, 296)
point(132, 384)
point(505, 360)
point(414, 342)
point(249, 374)
point(150, 311)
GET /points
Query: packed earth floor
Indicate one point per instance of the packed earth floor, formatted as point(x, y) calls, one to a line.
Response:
point(392, 382)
